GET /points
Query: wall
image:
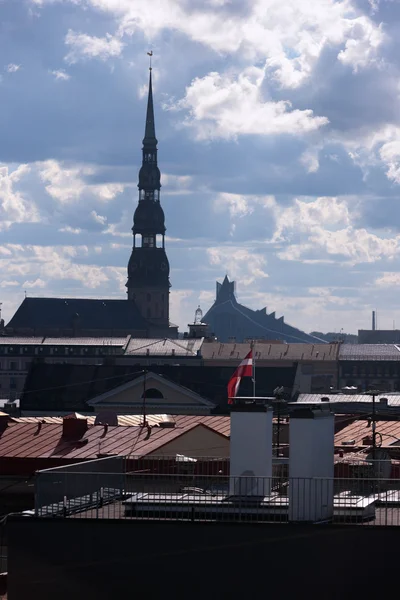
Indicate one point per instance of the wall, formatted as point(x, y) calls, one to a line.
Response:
point(200, 441)
point(133, 395)
point(103, 559)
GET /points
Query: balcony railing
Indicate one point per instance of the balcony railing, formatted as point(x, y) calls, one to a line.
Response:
point(103, 489)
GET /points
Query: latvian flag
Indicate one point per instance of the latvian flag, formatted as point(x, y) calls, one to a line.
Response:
point(245, 369)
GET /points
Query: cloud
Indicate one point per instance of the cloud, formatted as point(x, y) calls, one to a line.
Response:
point(68, 229)
point(98, 218)
point(220, 106)
point(15, 207)
point(60, 75)
point(241, 264)
point(308, 216)
point(86, 47)
point(37, 283)
point(12, 68)
point(67, 183)
point(52, 264)
point(388, 279)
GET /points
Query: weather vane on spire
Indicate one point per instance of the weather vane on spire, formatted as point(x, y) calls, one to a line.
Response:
point(150, 54)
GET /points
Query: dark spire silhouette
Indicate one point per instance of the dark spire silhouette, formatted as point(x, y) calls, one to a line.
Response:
point(150, 130)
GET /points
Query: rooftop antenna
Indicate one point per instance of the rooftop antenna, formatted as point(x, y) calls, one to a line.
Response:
point(144, 424)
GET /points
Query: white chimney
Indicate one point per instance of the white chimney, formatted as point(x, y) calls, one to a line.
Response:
point(250, 450)
point(311, 465)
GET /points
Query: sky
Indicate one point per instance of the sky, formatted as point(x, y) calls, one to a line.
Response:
point(279, 147)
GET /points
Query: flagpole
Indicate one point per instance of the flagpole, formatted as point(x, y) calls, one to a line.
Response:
point(253, 345)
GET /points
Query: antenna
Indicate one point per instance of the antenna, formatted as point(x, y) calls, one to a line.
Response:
point(150, 54)
point(144, 424)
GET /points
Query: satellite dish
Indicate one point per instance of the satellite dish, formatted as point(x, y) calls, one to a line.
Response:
point(107, 417)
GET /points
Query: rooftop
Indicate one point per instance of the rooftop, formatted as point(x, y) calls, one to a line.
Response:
point(388, 434)
point(33, 438)
point(271, 351)
point(392, 399)
point(369, 352)
point(81, 313)
point(164, 347)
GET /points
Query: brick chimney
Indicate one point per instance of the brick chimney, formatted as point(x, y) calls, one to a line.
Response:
point(74, 426)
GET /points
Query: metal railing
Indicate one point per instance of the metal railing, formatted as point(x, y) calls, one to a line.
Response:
point(203, 497)
point(91, 481)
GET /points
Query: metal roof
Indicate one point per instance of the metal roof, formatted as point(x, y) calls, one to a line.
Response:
point(369, 352)
point(393, 399)
point(270, 351)
point(86, 341)
point(44, 440)
point(9, 341)
point(123, 420)
point(164, 347)
point(87, 313)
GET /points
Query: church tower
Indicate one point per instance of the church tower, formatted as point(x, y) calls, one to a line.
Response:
point(148, 268)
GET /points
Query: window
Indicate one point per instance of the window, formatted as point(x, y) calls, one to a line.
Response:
point(148, 296)
point(13, 365)
point(13, 383)
point(152, 393)
point(148, 313)
point(141, 195)
point(148, 241)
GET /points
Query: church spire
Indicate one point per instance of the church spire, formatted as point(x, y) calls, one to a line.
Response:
point(150, 130)
point(148, 268)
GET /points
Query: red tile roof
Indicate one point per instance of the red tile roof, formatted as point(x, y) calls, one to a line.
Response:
point(45, 440)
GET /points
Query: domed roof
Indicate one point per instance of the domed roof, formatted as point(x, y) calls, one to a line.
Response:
point(149, 217)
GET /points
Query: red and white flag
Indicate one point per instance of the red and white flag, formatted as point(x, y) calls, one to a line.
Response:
point(245, 369)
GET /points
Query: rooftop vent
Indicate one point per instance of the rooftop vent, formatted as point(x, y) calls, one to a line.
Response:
point(167, 422)
point(348, 443)
point(383, 401)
